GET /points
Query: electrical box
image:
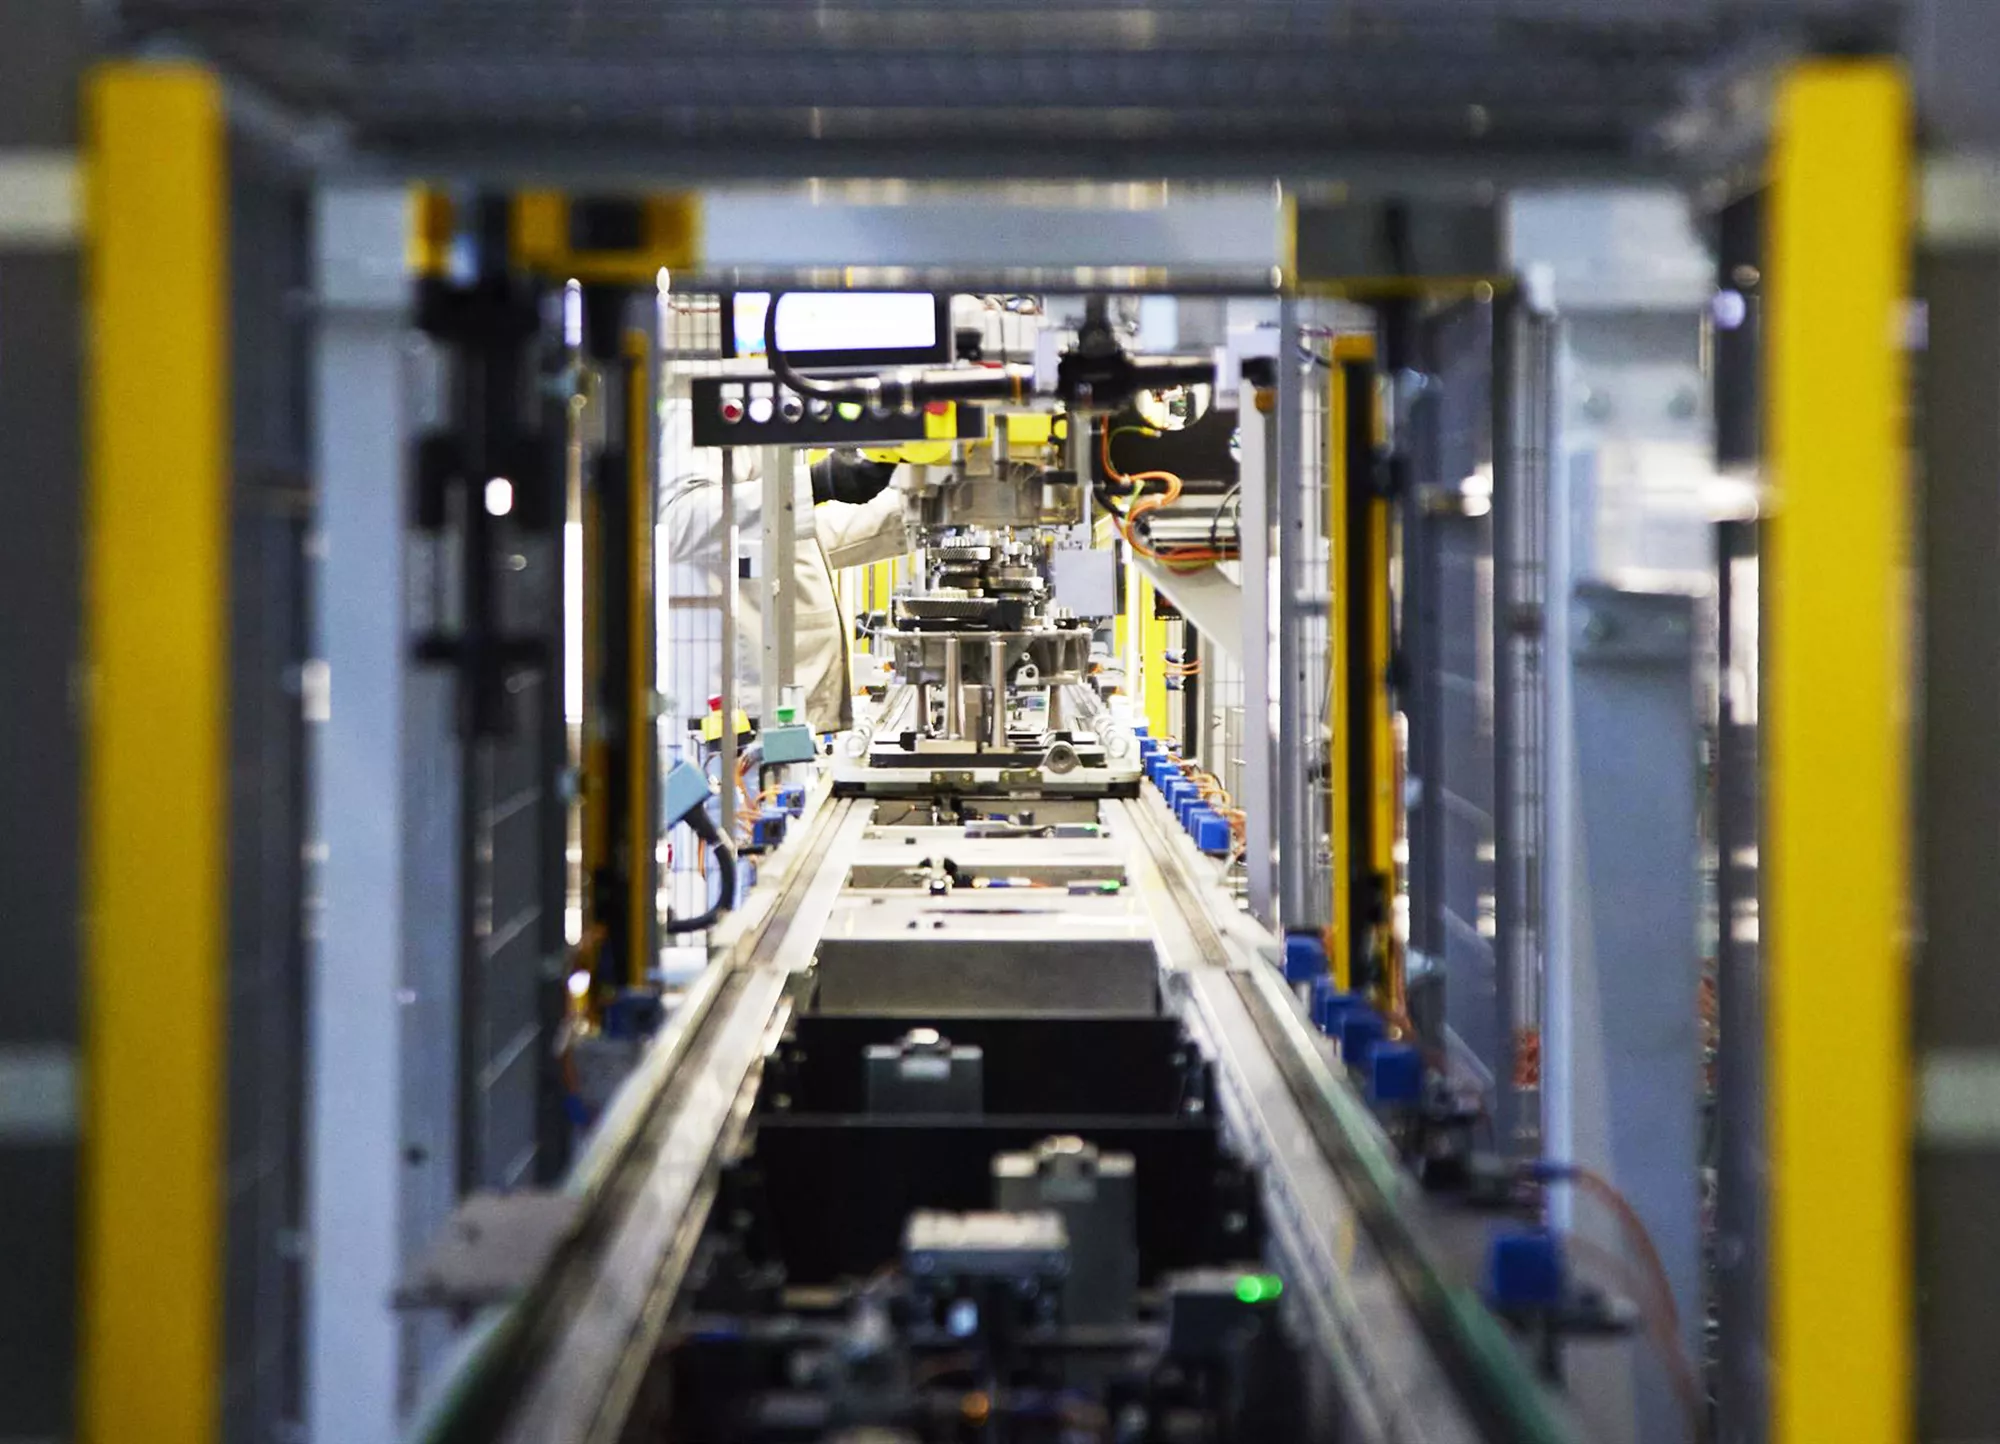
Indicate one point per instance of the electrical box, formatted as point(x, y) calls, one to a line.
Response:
point(790, 743)
point(682, 790)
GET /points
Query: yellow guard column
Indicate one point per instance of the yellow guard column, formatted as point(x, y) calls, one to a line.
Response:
point(1836, 829)
point(156, 818)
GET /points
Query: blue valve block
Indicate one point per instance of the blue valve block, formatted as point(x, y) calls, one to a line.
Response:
point(1361, 1030)
point(1396, 1075)
point(1524, 1270)
point(769, 828)
point(1211, 832)
point(1305, 957)
point(1330, 1006)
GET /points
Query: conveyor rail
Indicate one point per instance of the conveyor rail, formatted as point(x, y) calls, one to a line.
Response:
point(1415, 1356)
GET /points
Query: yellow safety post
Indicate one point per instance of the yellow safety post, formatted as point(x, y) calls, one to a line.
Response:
point(1385, 771)
point(434, 220)
point(1837, 839)
point(1152, 691)
point(1340, 669)
point(594, 743)
point(156, 729)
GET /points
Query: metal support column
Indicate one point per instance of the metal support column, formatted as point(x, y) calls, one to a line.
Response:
point(1357, 623)
point(1836, 899)
point(642, 692)
point(1740, 1246)
point(1523, 384)
point(777, 560)
point(362, 983)
point(1621, 1073)
point(1258, 471)
point(1300, 674)
point(1742, 1163)
point(621, 688)
point(732, 551)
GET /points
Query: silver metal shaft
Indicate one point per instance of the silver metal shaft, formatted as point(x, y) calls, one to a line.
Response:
point(954, 690)
point(998, 683)
point(728, 660)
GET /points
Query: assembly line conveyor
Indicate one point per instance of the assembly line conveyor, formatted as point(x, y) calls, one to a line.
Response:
point(990, 1118)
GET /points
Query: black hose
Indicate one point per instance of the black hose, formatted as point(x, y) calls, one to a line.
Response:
point(892, 392)
point(725, 897)
point(775, 358)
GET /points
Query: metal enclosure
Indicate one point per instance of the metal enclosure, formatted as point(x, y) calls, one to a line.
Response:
point(1447, 643)
point(1622, 1077)
point(273, 502)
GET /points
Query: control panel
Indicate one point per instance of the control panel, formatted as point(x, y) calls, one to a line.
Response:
point(760, 410)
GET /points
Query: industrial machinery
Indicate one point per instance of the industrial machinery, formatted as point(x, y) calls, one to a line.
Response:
point(992, 644)
point(1018, 1136)
point(992, 1114)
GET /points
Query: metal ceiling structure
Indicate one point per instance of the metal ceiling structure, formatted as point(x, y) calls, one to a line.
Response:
point(716, 88)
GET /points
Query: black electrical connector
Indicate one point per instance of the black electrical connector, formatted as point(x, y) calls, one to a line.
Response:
point(705, 828)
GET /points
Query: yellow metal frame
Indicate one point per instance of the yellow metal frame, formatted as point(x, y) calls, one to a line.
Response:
point(1340, 947)
point(1836, 849)
point(157, 601)
point(433, 222)
point(1152, 690)
point(594, 790)
point(670, 224)
point(1386, 769)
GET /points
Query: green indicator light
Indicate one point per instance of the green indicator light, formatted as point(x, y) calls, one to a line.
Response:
point(849, 410)
point(1259, 1288)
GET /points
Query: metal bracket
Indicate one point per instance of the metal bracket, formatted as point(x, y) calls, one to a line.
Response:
point(493, 1247)
point(1610, 626)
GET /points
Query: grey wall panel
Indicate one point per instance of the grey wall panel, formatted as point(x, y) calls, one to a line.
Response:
point(40, 619)
point(38, 1250)
point(43, 49)
point(1954, 1004)
point(429, 1038)
point(47, 44)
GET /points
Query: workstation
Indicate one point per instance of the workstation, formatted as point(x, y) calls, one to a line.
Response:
point(859, 736)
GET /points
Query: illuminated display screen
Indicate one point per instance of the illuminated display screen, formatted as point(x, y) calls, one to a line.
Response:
point(844, 328)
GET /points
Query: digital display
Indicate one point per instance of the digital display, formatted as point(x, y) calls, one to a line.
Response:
point(837, 328)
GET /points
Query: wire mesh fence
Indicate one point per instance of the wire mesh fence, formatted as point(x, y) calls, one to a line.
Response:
point(696, 568)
